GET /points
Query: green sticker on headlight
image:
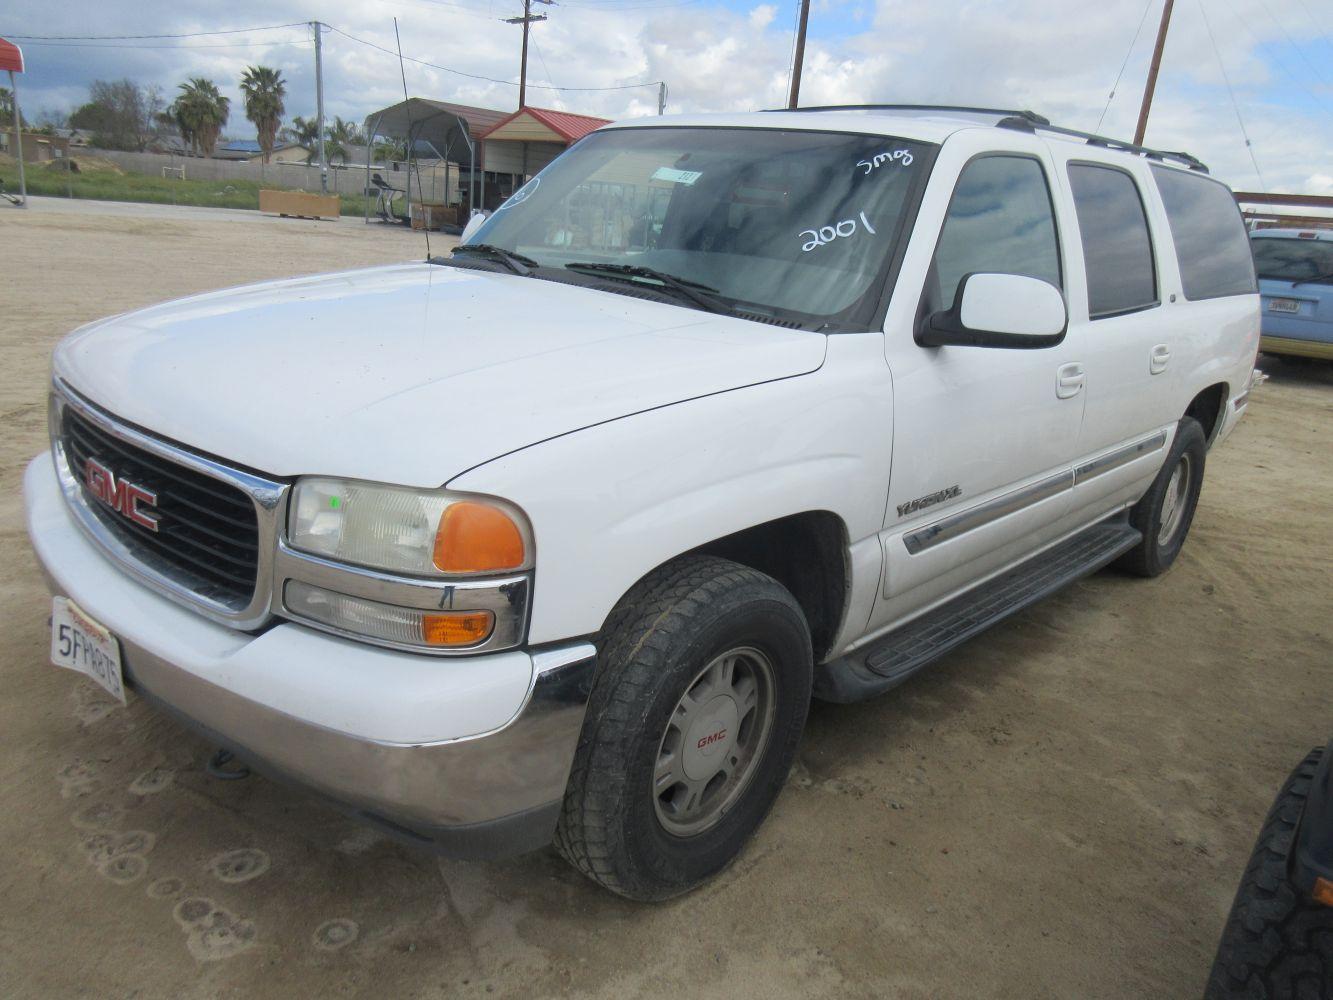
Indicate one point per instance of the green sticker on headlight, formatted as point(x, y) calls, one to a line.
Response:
point(335, 503)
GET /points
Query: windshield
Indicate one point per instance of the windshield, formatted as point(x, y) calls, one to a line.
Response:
point(1293, 259)
point(784, 223)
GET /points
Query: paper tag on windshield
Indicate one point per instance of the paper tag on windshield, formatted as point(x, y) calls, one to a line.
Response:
point(677, 176)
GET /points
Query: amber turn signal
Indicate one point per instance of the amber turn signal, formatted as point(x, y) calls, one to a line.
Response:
point(477, 538)
point(456, 628)
point(1323, 891)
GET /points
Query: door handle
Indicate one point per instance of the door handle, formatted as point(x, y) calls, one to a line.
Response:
point(1161, 354)
point(1069, 380)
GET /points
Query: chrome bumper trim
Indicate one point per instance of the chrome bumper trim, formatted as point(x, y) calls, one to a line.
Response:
point(520, 767)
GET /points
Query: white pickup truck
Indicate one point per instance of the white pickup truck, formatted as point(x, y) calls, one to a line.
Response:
point(555, 538)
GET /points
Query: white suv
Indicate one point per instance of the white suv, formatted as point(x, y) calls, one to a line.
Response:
point(556, 538)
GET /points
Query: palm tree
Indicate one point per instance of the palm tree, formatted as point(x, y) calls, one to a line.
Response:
point(264, 89)
point(339, 136)
point(200, 112)
point(305, 132)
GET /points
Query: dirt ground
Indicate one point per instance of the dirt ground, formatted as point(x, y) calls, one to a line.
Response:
point(1060, 809)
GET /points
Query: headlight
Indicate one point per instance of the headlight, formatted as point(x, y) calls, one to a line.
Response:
point(414, 532)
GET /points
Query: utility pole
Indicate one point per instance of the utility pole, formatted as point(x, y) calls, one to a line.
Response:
point(528, 18)
point(319, 105)
point(1152, 74)
point(661, 98)
point(800, 56)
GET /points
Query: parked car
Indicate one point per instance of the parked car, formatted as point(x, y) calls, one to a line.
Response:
point(555, 538)
point(1278, 941)
point(1295, 269)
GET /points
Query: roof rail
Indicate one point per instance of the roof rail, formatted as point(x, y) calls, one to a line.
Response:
point(1029, 116)
point(1025, 121)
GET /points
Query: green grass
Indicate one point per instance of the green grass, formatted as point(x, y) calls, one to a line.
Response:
point(108, 185)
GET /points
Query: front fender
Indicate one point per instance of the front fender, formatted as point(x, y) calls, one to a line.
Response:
point(610, 503)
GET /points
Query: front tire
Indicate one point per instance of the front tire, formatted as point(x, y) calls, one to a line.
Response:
point(1166, 511)
point(703, 684)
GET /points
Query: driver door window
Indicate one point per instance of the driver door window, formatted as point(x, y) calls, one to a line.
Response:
point(1000, 221)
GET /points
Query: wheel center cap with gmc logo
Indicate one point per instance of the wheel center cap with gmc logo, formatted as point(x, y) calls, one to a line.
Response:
point(710, 737)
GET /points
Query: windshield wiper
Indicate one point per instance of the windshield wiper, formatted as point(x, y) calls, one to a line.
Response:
point(684, 287)
point(1315, 280)
point(516, 262)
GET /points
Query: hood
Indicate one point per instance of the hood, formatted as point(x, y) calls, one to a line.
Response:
point(412, 373)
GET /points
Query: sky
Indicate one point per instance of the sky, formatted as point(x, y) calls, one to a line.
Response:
point(1231, 68)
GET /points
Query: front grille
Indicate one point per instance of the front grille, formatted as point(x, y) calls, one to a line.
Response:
point(208, 534)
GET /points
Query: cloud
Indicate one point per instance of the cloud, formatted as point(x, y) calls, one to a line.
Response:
point(762, 16)
point(729, 55)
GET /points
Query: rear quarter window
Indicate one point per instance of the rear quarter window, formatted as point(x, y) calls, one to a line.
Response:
point(1208, 233)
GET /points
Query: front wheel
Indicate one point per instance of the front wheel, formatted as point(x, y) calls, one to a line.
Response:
point(1166, 511)
point(702, 688)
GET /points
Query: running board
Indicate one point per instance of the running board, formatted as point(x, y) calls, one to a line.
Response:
point(893, 658)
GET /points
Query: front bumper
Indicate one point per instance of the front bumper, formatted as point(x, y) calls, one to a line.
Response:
point(469, 753)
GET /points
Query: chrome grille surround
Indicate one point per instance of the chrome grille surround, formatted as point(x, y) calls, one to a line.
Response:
point(269, 498)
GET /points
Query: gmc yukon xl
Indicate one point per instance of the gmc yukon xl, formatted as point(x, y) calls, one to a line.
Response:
point(555, 538)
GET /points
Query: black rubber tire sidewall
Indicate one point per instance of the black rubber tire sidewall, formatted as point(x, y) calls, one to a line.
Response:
point(1150, 557)
point(771, 628)
point(1277, 943)
point(656, 642)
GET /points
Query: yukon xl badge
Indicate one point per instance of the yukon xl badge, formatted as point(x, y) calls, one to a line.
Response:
point(929, 500)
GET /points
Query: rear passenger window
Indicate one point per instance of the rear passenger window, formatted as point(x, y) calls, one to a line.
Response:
point(999, 221)
point(1209, 235)
point(1117, 250)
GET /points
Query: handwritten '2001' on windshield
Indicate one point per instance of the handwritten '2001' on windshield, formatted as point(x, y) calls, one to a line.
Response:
point(838, 230)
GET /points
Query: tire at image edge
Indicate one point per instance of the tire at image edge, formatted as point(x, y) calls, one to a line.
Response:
point(1276, 945)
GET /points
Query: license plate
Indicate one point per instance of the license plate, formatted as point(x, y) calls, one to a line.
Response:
point(79, 643)
point(1284, 305)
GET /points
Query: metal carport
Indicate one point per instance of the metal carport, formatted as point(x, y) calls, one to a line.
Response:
point(449, 130)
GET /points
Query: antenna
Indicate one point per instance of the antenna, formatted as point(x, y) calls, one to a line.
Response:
point(421, 196)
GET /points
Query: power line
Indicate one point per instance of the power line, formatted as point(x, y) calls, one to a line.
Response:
point(538, 49)
point(1128, 52)
point(1320, 33)
point(1281, 63)
point(488, 79)
point(126, 38)
point(1249, 147)
point(1300, 51)
point(219, 45)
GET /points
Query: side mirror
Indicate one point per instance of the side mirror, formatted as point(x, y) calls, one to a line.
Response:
point(999, 310)
point(479, 216)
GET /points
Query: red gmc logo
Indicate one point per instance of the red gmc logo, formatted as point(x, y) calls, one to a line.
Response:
point(721, 734)
point(121, 495)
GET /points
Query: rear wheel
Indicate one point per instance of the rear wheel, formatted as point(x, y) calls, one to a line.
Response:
point(703, 683)
point(1166, 511)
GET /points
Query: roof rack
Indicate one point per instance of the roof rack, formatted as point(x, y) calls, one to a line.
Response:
point(1024, 121)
